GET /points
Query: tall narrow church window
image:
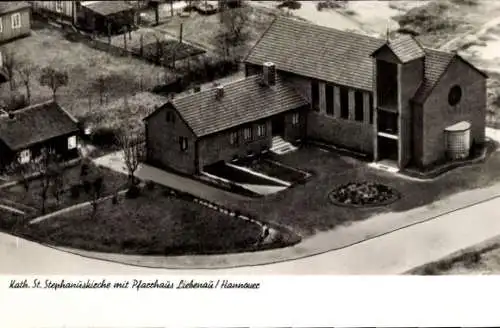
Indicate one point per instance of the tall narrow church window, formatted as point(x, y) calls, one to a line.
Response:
point(183, 143)
point(329, 99)
point(358, 106)
point(315, 95)
point(371, 108)
point(344, 103)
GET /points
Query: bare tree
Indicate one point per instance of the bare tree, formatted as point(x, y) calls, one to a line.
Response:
point(133, 152)
point(100, 84)
point(50, 169)
point(156, 5)
point(10, 63)
point(233, 32)
point(96, 191)
point(171, 8)
point(25, 71)
point(54, 79)
point(58, 185)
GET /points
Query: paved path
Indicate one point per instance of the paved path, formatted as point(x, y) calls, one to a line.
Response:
point(72, 208)
point(418, 236)
point(11, 209)
point(115, 162)
point(392, 253)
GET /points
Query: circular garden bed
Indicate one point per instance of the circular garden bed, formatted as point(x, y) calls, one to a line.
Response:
point(364, 194)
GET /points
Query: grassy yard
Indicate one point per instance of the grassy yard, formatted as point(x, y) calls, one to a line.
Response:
point(48, 46)
point(151, 224)
point(31, 198)
point(131, 110)
point(306, 207)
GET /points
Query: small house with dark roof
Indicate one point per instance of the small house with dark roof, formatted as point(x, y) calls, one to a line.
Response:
point(106, 16)
point(392, 99)
point(228, 121)
point(24, 133)
point(100, 16)
point(15, 20)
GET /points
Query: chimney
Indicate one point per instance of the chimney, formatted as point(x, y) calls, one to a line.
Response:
point(269, 76)
point(219, 92)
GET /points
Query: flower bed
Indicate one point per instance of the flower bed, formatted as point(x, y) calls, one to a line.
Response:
point(359, 194)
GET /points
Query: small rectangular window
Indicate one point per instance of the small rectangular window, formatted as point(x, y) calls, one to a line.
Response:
point(24, 156)
point(170, 117)
point(59, 6)
point(358, 106)
point(247, 134)
point(295, 118)
point(16, 20)
point(233, 138)
point(183, 143)
point(329, 99)
point(315, 95)
point(261, 130)
point(1, 26)
point(72, 142)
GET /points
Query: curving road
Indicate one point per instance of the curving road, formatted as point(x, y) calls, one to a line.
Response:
point(393, 253)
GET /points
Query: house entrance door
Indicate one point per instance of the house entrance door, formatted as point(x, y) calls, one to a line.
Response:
point(278, 125)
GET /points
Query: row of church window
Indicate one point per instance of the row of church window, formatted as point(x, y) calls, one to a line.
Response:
point(344, 102)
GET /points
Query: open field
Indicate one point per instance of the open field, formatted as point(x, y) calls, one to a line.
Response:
point(153, 223)
point(306, 209)
point(125, 112)
point(47, 46)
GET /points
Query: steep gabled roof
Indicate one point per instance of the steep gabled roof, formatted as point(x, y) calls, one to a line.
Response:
point(11, 6)
point(436, 63)
point(244, 101)
point(340, 57)
point(34, 124)
point(319, 52)
point(404, 47)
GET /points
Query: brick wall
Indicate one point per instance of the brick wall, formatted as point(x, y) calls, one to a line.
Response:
point(343, 133)
point(298, 131)
point(218, 147)
point(162, 138)
point(438, 114)
point(411, 75)
point(331, 128)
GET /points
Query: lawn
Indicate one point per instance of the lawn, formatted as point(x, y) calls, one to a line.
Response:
point(113, 114)
point(46, 46)
point(154, 223)
point(31, 199)
point(306, 209)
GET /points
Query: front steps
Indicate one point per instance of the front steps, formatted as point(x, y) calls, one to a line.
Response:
point(280, 146)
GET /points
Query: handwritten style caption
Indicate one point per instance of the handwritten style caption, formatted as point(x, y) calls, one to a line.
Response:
point(137, 284)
